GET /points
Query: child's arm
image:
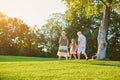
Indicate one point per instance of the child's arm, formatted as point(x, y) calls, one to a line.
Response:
point(76, 48)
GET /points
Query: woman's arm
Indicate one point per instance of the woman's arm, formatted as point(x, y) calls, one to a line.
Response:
point(70, 45)
point(60, 39)
point(67, 43)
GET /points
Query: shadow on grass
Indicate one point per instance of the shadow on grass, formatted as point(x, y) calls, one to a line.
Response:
point(117, 65)
point(21, 59)
point(106, 63)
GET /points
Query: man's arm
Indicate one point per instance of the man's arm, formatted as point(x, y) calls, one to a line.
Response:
point(78, 43)
point(79, 39)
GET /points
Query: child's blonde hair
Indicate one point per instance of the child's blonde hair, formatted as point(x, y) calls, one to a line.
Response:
point(74, 43)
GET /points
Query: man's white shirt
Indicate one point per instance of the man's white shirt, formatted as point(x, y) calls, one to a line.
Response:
point(82, 40)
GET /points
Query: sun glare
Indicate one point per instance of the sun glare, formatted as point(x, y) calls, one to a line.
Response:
point(32, 12)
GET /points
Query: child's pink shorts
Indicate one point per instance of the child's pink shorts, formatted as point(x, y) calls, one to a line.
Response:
point(72, 52)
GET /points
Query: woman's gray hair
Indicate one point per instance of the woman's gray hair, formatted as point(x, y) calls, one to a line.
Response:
point(63, 33)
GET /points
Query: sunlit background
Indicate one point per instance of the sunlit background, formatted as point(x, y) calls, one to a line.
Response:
point(33, 27)
point(32, 12)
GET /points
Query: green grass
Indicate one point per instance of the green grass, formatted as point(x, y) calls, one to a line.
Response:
point(31, 68)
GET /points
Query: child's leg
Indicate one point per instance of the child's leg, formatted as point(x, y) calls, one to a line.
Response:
point(86, 56)
point(70, 56)
point(74, 56)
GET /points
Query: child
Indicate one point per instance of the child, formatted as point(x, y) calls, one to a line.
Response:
point(73, 48)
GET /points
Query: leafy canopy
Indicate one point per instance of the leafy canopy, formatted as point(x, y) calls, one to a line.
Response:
point(89, 7)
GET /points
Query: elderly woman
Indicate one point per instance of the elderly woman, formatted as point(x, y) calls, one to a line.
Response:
point(63, 46)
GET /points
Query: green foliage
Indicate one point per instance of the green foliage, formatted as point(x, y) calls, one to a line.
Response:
point(88, 7)
point(89, 27)
point(114, 37)
point(17, 38)
point(31, 68)
point(86, 16)
point(52, 31)
point(11, 32)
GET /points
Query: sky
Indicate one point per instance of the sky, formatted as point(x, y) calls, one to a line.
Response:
point(32, 12)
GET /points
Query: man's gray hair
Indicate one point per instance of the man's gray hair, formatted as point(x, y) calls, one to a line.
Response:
point(79, 32)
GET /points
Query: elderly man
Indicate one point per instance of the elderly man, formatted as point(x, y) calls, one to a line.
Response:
point(81, 45)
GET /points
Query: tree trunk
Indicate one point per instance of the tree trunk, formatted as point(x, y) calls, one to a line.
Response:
point(102, 35)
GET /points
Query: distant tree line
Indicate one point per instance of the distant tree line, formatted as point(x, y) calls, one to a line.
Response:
point(17, 38)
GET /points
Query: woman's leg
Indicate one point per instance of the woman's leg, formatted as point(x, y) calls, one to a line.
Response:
point(66, 58)
point(59, 57)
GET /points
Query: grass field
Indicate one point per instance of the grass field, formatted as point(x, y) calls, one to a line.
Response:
point(31, 68)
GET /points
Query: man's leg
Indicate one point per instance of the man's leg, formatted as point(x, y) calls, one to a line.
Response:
point(78, 56)
point(78, 53)
point(83, 51)
point(86, 56)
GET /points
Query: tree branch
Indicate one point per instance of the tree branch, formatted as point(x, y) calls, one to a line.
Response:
point(109, 1)
point(104, 3)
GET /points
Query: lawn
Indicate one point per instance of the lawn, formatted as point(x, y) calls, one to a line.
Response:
point(32, 68)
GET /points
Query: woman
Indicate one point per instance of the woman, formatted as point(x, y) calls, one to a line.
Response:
point(63, 46)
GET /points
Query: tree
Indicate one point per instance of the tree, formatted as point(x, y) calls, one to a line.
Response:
point(91, 8)
point(52, 30)
point(17, 38)
point(13, 33)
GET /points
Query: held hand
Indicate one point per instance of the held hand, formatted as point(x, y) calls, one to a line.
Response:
point(77, 46)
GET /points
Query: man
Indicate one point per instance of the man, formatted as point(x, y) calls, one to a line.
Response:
point(81, 45)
